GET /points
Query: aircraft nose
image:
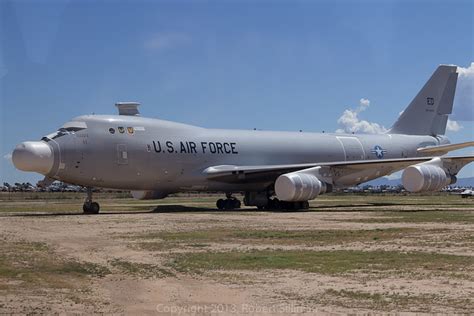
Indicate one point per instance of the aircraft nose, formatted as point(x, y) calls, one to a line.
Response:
point(33, 156)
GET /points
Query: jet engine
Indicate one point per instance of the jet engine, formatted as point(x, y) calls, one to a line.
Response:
point(426, 177)
point(149, 195)
point(295, 186)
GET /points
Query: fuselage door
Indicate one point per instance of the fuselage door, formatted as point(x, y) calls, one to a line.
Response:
point(122, 154)
point(71, 157)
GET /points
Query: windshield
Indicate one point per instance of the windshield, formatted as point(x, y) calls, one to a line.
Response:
point(67, 129)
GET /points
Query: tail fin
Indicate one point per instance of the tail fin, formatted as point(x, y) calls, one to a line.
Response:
point(428, 112)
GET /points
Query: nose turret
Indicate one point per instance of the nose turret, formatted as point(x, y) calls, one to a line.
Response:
point(33, 156)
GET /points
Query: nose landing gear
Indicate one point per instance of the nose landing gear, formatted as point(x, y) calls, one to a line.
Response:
point(230, 203)
point(89, 206)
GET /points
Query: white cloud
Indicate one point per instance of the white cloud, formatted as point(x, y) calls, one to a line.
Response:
point(166, 40)
point(363, 104)
point(350, 122)
point(453, 126)
point(464, 99)
point(8, 156)
point(469, 71)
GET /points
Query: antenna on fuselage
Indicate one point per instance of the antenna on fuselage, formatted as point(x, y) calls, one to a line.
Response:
point(128, 108)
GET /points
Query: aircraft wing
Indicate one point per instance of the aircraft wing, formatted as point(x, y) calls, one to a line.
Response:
point(337, 173)
point(443, 149)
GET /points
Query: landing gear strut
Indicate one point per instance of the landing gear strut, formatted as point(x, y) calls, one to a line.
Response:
point(230, 203)
point(89, 206)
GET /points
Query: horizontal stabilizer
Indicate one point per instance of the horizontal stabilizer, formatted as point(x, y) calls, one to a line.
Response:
point(444, 148)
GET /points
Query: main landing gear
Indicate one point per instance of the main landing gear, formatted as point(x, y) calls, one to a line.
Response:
point(89, 206)
point(263, 201)
point(276, 204)
point(230, 203)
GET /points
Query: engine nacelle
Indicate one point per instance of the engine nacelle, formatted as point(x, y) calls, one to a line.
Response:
point(294, 187)
point(148, 195)
point(426, 177)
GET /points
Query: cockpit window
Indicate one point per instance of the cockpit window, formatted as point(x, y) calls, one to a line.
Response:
point(62, 132)
point(67, 129)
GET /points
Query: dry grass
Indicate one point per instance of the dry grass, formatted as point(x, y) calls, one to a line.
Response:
point(340, 255)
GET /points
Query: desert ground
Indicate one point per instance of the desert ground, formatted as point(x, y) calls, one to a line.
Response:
point(347, 254)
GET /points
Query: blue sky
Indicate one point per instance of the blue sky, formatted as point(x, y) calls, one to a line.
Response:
point(283, 65)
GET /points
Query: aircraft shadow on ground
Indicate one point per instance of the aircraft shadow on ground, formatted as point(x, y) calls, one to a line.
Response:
point(52, 214)
point(197, 209)
point(156, 210)
point(187, 209)
point(355, 206)
point(372, 204)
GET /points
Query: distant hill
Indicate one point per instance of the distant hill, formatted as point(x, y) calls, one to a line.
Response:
point(465, 182)
point(462, 182)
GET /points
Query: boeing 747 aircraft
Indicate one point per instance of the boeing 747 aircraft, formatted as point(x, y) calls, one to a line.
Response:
point(275, 170)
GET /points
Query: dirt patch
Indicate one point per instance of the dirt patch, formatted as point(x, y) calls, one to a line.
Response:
point(145, 279)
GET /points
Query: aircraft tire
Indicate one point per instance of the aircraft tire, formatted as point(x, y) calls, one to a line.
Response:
point(232, 204)
point(95, 208)
point(238, 204)
point(91, 208)
point(276, 204)
point(221, 204)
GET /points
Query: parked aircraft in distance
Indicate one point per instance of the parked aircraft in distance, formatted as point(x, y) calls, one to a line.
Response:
point(467, 193)
point(274, 170)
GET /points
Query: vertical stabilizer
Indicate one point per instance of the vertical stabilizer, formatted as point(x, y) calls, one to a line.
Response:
point(428, 112)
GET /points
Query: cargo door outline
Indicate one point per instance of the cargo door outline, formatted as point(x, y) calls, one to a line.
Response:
point(352, 147)
point(122, 154)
